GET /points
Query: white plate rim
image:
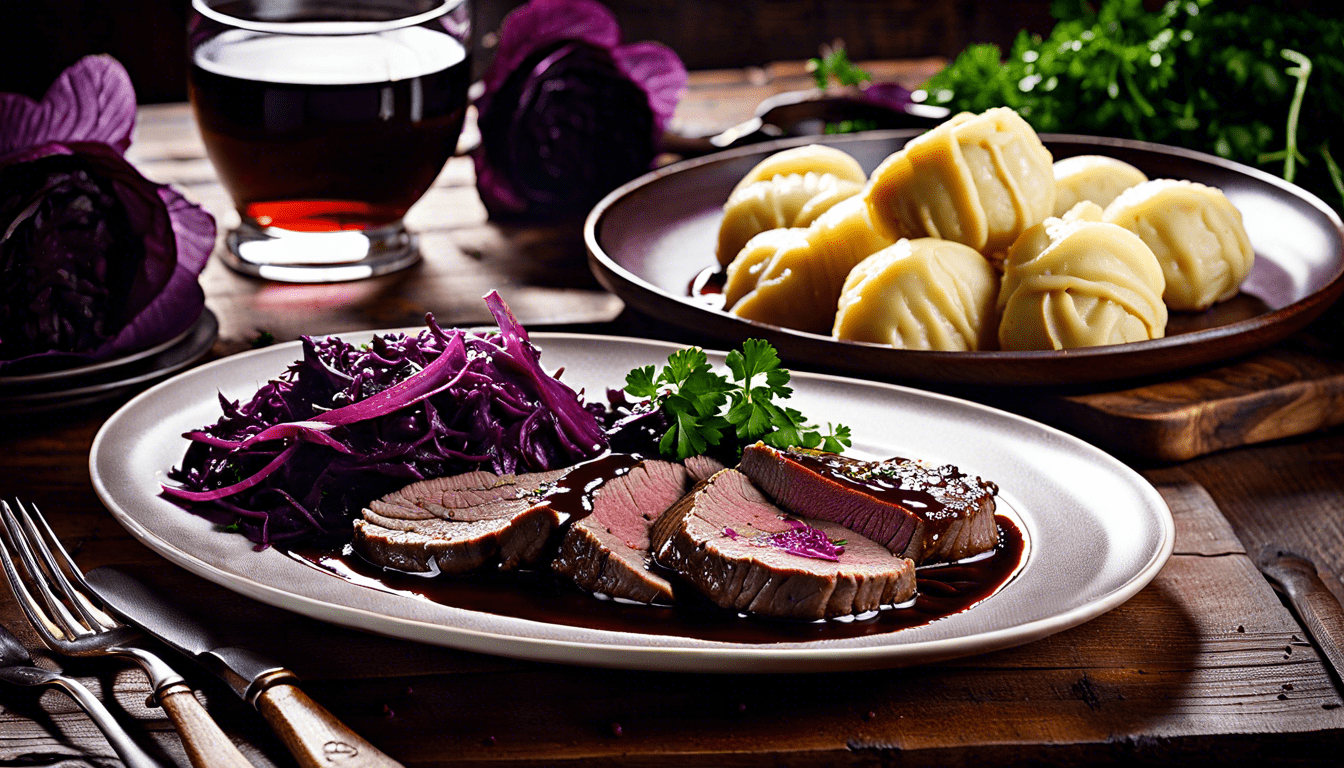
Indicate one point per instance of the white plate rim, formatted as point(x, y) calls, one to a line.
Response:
point(724, 657)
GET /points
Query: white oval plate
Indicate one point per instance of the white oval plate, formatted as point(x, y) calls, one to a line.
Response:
point(1097, 531)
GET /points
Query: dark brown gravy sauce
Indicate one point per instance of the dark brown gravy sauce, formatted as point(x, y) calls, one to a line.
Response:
point(707, 286)
point(571, 496)
point(944, 590)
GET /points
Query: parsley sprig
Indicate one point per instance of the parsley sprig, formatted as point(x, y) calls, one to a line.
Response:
point(834, 64)
point(704, 407)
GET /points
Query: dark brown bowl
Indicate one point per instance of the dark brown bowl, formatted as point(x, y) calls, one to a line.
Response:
point(649, 239)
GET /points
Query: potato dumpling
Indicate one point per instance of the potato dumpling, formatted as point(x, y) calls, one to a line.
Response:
point(1094, 178)
point(792, 277)
point(920, 294)
point(979, 180)
point(793, 200)
point(812, 158)
point(1197, 235)
point(1078, 282)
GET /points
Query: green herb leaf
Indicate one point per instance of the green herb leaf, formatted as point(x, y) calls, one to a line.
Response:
point(838, 439)
point(834, 64)
point(1302, 71)
point(752, 418)
point(639, 382)
point(682, 363)
point(1336, 177)
point(1207, 76)
point(704, 406)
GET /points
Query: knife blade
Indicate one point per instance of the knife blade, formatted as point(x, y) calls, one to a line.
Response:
point(807, 113)
point(1316, 607)
point(312, 734)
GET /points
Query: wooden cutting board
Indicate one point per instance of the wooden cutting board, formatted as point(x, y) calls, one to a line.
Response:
point(1289, 390)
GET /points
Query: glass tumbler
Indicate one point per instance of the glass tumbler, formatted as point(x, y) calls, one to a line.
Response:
point(326, 120)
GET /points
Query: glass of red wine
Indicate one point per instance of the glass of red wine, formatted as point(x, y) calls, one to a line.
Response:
point(326, 121)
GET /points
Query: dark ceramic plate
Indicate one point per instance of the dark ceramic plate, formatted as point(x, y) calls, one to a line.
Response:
point(52, 375)
point(648, 240)
point(104, 384)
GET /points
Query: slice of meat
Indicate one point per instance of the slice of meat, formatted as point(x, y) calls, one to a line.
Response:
point(929, 514)
point(607, 551)
point(718, 539)
point(460, 523)
point(603, 507)
point(702, 467)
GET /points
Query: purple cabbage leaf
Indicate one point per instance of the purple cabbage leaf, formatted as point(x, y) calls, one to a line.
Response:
point(96, 261)
point(91, 101)
point(801, 539)
point(567, 114)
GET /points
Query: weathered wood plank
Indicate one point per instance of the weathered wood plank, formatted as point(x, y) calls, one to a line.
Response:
point(1287, 495)
point(1200, 527)
point(1205, 652)
point(1081, 687)
point(1275, 394)
point(724, 98)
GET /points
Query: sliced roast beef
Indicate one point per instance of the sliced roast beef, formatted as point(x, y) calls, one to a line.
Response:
point(702, 467)
point(929, 514)
point(729, 542)
point(460, 523)
point(607, 551)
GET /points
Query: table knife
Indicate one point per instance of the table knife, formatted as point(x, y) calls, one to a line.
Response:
point(1315, 605)
point(312, 734)
point(805, 113)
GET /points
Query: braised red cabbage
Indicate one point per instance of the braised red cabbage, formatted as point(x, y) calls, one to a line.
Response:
point(348, 424)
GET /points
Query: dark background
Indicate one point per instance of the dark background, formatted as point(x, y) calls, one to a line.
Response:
point(39, 38)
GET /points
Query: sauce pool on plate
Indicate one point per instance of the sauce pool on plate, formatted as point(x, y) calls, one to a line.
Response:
point(943, 590)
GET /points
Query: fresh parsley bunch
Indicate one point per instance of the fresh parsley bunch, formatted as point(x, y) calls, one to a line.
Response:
point(704, 408)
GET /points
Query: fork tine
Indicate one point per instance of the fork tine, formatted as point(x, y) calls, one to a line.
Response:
point(36, 617)
point(200, 734)
point(94, 618)
point(57, 613)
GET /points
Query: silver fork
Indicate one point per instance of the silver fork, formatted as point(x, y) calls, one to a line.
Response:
point(16, 668)
point(96, 633)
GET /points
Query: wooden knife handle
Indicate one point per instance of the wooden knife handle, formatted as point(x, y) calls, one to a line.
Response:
point(205, 743)
point(313, 735)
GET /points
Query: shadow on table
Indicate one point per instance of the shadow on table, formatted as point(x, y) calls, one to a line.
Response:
point(1128, 675)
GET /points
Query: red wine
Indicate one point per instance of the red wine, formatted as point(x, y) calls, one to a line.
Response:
point(317, 134)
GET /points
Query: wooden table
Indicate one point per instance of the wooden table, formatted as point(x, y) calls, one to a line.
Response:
point(1206, 663)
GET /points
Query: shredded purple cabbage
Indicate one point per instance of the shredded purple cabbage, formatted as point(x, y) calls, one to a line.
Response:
point(348, 424)
point(801, 539)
